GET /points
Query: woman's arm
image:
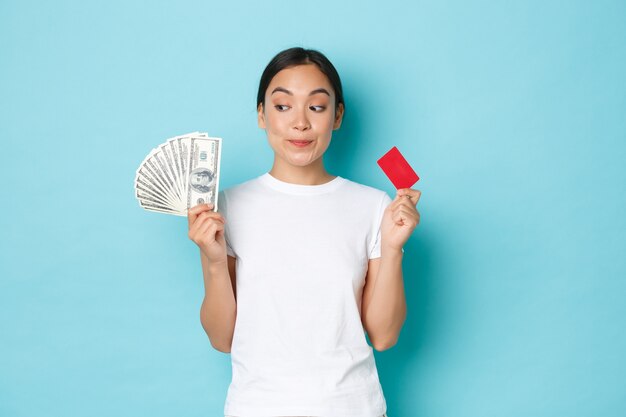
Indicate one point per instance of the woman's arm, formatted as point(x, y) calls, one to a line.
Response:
point(383, 308)
point(219, 307)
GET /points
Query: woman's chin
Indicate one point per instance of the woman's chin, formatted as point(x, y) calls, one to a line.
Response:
point(301, 162)
point(298, 160)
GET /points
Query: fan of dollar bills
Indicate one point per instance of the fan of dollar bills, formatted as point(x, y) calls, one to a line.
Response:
point(179, 174)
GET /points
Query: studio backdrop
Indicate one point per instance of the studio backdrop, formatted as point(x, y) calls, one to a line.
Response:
point(512, 113)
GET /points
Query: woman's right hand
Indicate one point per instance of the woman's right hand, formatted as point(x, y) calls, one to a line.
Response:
point(206, 229)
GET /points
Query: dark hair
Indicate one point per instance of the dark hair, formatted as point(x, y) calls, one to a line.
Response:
point(299, 56)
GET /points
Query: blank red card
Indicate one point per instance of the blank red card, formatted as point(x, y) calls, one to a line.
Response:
point(398, 169)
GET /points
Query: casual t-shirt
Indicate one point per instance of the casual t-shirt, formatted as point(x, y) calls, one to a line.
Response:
point(299, 346)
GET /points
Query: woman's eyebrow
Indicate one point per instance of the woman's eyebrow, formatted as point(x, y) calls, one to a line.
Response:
point(316, 91)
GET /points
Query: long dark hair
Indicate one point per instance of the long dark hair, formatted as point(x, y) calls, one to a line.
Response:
point(299, 56)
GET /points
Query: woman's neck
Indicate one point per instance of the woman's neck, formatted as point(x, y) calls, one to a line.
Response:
point(307, 175)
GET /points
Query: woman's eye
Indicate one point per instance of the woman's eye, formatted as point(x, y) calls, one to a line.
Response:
point(317, 108)
point(281, 107)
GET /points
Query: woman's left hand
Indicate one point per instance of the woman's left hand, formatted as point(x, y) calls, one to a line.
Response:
point(400, 219)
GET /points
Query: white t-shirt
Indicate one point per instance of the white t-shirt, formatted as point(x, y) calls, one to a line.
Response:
point(299, 346)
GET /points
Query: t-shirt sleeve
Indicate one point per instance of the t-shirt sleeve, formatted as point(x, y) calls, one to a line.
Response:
point(222, 208)
point(374, 244)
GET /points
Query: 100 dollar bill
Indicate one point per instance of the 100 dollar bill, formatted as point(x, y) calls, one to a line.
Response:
point(203, 171)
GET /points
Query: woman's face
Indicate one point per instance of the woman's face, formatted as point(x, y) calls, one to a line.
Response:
point(299, 115)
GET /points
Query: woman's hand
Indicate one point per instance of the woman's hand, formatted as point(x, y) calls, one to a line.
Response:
point(206, 229)
point(400, 219)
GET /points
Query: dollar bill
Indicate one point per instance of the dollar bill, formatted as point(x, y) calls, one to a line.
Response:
point(204, 170)
point(150, 172)
point(179, 174)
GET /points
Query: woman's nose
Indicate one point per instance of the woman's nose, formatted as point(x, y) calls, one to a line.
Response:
point(301, 121)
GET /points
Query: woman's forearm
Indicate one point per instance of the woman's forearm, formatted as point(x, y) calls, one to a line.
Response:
point(387, 308)
point(219, 308)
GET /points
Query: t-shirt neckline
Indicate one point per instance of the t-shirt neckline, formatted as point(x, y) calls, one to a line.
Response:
point(300, 189)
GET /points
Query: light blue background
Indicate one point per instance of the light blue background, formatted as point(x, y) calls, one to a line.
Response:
point(512, 113)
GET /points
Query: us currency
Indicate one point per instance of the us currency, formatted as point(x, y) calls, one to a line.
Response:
point(162, 159)
point(149, 176)
point(180, 173)
point(178, 147)
point(204, 171)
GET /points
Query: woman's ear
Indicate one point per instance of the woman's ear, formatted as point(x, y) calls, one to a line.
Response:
point(260, 116)
point(338, 116)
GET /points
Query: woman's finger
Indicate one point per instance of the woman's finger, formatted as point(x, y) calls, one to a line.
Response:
point(211, 215)
point(405, 216)
point(213, 229)
point(406, 204)
point(397, 201)
point(198, 225)
point(206, 227)
point(192, 213)
point(413, 195)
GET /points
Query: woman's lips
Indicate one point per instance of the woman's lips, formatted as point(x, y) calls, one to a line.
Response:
point(300, 143)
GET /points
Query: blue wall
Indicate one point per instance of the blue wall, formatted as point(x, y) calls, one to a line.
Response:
point(513, 114)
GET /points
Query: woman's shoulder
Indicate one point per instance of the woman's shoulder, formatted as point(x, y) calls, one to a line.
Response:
point(232, 194)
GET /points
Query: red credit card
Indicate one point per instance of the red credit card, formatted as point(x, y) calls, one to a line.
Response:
point(398, 169)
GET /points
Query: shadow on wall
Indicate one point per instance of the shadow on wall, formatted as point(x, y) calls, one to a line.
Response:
point(399, 366)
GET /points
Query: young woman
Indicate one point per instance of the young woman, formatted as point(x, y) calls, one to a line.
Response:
point(299, 263)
